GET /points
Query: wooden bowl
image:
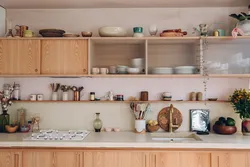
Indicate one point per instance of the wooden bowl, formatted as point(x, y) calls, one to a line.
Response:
point(224, 130)
point(86, 34)
point(152, 128)
point(11, 129)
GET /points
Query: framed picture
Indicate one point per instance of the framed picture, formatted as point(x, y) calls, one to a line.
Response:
point(199, 120)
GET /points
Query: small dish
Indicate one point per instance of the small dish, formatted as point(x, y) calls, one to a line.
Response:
point(108, 129)
point(11, 129)
point(86, 34)
point(70, 35)
point(212, 99)
point(133, 70)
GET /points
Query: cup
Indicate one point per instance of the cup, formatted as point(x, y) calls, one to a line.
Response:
point(95, 71)
point(54, 96)
point(112, 69)
point(32, 97)
point(65, 96)
point(28, 34)
point(39, 97)
point(166, 96)
point(104, 70)
point(221, 32)
point(140, 126)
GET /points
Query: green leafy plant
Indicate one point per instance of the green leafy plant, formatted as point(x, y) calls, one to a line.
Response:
point(241, 17)
point(240, 100)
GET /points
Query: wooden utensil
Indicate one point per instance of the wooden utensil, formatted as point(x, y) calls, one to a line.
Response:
point(164, 118)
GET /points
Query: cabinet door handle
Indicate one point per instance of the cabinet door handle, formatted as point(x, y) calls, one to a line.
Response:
point(17, 160)
point(84, 70)
point(36, 70)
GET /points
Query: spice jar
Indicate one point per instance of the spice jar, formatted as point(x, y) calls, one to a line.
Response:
point(199, 96)
point(144, 96)
point(119, 98)
point(6, 90)
point(16, 93)
point(92, 96)
point(192, 96)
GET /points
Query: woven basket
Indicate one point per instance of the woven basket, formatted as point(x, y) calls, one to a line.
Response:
point(152, 128)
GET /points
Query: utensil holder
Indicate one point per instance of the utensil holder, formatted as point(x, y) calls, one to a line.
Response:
point(54, 96)
point(65, 96)
point(140, 126)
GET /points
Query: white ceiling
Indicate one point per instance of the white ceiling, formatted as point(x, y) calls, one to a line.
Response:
point(59, 4)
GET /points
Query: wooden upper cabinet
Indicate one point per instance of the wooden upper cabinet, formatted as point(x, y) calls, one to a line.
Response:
point(231, 159)
point(61, 57)
point(19, 57)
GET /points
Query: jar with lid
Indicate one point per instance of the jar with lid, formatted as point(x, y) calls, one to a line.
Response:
point(6, 90)
point(16, 93)
point(92, 96)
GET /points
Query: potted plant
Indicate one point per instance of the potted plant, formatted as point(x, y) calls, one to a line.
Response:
point(243, 21)
point(240, 101)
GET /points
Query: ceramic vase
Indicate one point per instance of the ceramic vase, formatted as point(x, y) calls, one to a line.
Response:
point(244, 26)
point(245, 127)
point(97, 123)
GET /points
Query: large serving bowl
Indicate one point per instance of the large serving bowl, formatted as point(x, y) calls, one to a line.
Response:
point(112, 32)
point(244, 26)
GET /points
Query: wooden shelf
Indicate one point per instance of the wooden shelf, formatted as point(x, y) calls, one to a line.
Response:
point(126, 101)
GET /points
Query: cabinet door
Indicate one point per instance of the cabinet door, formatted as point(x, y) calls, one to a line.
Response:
point(19, 57)
point(181, 159)
point(67, 159)
point(38, 159)
point(64, 57)
point(231, 159)
point(114, 159)
point(6, 159)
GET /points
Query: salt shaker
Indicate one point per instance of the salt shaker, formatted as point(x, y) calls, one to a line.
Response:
point(192, 96)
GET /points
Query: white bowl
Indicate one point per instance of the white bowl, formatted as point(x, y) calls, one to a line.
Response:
point(138, 62)
point(184, 70)
point(134, 70)
point(162, 70)
point(122, 69)
point(112, 32)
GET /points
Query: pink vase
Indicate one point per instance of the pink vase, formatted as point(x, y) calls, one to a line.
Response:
point(245, 127)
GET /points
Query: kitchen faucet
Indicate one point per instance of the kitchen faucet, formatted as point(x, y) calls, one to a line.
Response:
point(171, 125)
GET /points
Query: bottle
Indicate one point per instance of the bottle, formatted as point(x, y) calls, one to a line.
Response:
point(16, 93)
point(6, 90)
point(4, 120)
point(30, 126)
point(97, 123)
point(92, 96)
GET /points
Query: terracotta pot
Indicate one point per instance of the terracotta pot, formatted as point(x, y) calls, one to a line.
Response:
point(224, 130)
point(245, 127)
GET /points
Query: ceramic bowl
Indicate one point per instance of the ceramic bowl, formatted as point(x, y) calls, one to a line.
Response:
point(122, 69)
point(162, 70)
point(86, 34)
point(138, 62)
point(117, 129)
point(11, 129)
point(108, 129)
point(133, 70)
point(112, 32)
point(224, 130)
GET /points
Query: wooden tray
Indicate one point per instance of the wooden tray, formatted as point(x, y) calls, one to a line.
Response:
point(163, 118)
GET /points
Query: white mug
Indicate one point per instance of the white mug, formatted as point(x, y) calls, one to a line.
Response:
point(32, 97)
point(95, 71)
point(104, 70)
point(40, 97)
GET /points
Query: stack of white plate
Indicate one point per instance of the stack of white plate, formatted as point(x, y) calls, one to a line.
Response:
point(162, 70)
point(184, 70)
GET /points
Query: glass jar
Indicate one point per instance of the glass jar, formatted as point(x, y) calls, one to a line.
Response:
point(6, 90)
point(97, 123)
point(4, 120)
point(65, 96)
point(16, 93)
point(92, 96)
point(54, 96)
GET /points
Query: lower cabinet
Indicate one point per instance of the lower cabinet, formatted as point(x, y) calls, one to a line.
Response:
point(114, 159)
point(51, 159)
point(231, 159)
point(179, 159)
point(10, 159)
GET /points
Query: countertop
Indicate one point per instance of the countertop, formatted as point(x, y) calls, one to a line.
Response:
point(131, 140)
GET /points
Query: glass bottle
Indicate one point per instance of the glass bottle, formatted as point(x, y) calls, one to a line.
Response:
point(4, 120)
point(97, 123)
point(6, 90)
point(9, 33)
point(16, 93)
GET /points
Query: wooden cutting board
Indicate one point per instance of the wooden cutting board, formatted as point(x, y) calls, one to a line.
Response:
point(164, 115)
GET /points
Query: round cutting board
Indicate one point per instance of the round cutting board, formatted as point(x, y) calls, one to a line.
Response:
point(164, 115)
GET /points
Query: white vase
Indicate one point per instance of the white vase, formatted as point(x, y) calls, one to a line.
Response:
point(244, 26)
point(140, 126)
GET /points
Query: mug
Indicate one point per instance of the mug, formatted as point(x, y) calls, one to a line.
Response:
point(221, 32)
point(40, 97)
point(28, 33)
point(95, 70)
point(112, 69)
point(32, 97)
point(104, 70)
point(166, 96)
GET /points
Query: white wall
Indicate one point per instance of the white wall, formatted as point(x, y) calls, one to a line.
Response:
point(2, 21)
point(81, 115)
